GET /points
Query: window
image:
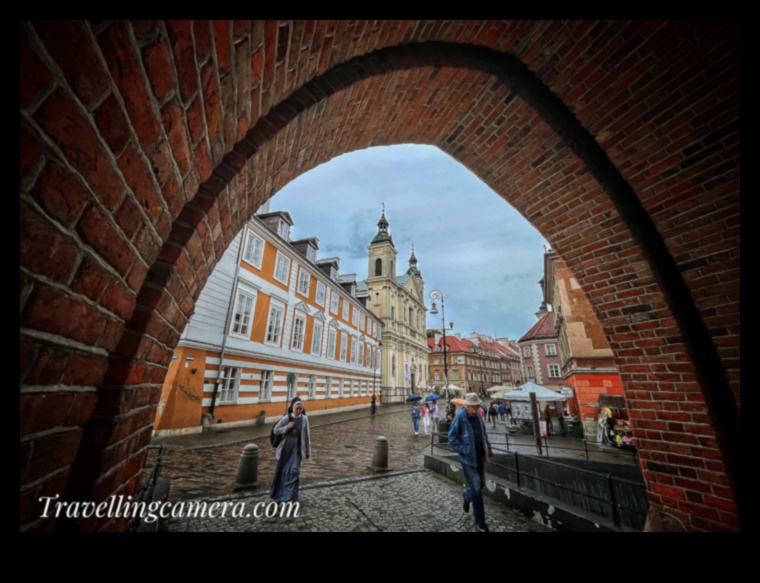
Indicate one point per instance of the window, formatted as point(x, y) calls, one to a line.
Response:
point(253, 252)
point(355, 317)
point(274, 326)
point(331, 343)
point(455, 375)
point(360, 354)
point(345, 310)
point(316, 340)
point(551, 349)
point(267, 380)
point(299, 326)
point(411, 317)
point(393, 365)
point(312, 386)
point(283, 230)
point(282, 268)
point(229, 388)
point(378, 267)
point(328, 387)
point(353, 350)
point(529, 372)
point(343, 342)
point(553, 371)
point(361, 321)
point(436, 360)
point(321, 293)
point(241, 317)
point(304, 279)
point(437, 376)
point(292, 385)
point(333, 303)
point(526, 351)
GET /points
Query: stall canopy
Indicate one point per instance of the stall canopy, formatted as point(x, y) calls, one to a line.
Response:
point(523, 392)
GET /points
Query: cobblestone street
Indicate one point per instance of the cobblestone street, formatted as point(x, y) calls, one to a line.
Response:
point(339, 492)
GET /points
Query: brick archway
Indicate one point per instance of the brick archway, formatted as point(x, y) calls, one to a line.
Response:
point(145, 145)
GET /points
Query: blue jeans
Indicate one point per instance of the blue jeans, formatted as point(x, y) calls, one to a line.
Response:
point(475, 479)
point(416, 421)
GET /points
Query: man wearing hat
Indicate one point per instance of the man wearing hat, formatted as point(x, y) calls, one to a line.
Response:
point(469, 439)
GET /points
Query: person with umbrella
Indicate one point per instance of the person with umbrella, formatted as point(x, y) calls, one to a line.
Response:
point(416, 413)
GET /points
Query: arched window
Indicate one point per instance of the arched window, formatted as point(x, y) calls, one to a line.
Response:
point(378, 266)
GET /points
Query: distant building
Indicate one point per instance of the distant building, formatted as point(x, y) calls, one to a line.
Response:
point(474, 364)
point(272, 322)
point(587, 362)
point(398, 301)
point(539, 348)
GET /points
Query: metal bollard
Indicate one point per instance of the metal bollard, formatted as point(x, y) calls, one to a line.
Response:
point(248, 468)
point(380, 455)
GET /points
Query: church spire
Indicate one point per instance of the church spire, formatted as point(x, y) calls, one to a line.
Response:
point(413, 263)
point(382, 230)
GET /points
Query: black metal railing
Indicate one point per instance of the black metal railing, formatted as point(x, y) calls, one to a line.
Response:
point(621, 500)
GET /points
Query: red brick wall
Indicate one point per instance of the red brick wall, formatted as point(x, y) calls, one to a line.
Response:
point(144, 146)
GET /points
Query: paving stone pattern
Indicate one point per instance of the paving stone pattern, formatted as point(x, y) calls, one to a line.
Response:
point(339, 492)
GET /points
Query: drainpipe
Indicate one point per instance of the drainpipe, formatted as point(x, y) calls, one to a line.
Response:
point(225, 330)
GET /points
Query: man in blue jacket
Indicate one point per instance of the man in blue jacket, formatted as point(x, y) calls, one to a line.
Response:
point(468, 438)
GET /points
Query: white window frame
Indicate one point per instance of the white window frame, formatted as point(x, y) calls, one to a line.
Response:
point(354, 316)
point(292, 388)
point(273, 336)
point(299, 332)
point(553, 367)
point(230, 383)
point(353, 350)
point(332, 339)
point(437, 376)
point(304, 282)
point(312, 386)
point(266, 384)
point(253, 250)
point(362, 321)
point(282, 268)
point(283, 229)
point(529, 374)
point(238, 316)
point(526, 351)
point(343, 346)
point(317, 331)
point(321, 296)
point(334, 303)
point(345, 310)
point(550, 349)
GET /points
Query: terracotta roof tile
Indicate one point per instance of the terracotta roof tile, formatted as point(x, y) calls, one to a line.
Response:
point(544, 328)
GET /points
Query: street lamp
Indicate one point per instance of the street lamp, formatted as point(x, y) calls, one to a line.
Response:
point(437, 294)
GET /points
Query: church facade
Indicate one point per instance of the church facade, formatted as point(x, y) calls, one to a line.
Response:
point(398, 301)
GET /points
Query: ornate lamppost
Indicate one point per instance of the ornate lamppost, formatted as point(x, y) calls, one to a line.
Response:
point(437, 294)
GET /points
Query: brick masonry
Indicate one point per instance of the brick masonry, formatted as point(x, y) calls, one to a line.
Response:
point(142, 157)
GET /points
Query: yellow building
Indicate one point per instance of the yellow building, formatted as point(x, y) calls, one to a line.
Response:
point(398, 302)
point(272, 322)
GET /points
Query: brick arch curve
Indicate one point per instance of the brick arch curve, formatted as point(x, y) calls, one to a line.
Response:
point(512, 131)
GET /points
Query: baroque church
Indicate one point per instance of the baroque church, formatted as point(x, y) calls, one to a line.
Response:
point(398, 301)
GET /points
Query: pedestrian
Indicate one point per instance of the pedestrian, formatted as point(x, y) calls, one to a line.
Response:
point(493, 414)
point(425, 414)
point(434, 414)
point(469, 439)
point(482, 411)
point(502, 412)
point(292, 450)
point(416, 417)
point(548, 419)
point(451, 413)
point(373, 404)
point(509, 412)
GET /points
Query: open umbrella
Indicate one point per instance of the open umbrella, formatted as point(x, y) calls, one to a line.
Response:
point(432, 397)
point(413, 398)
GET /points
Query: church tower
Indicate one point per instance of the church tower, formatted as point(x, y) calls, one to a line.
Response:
point(382, 252)
point(398, 302)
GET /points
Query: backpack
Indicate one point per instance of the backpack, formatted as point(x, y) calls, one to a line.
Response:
point(276, 438)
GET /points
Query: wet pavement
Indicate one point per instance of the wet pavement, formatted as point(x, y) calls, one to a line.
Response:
point(339, 489)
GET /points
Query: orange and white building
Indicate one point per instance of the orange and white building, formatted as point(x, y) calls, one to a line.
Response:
point(272, 322)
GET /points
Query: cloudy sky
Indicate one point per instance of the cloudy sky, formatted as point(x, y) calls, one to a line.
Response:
point(484, 256)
